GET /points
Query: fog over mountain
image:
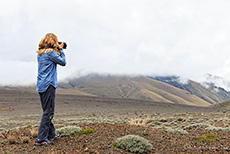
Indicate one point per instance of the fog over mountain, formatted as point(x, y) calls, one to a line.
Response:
point(213, 80)
point(186, 38)
point(169, 89)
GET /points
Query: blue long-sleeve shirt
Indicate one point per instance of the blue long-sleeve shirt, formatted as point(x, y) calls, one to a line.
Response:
point(47, 69)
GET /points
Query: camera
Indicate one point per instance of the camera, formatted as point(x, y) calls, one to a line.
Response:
point(64, 44)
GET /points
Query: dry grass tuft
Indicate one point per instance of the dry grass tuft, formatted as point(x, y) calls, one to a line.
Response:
point(34, 132)
point(139, 122)
point(25, 140)
point(11, 139)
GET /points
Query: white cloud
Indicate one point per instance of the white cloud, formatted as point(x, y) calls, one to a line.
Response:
point(17, 72)
point(182, 37)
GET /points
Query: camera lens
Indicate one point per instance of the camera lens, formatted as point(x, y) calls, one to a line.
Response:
point(64, 44)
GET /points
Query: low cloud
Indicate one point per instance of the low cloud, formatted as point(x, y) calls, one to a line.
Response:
point(181, 37)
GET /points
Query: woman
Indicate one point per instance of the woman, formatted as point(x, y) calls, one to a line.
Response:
point(50, 54)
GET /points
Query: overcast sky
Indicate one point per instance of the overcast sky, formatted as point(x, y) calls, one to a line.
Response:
point(188, 38)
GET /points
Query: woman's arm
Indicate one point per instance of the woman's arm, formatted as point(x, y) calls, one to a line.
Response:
point(58, 59)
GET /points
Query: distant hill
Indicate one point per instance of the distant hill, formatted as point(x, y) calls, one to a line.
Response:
point(141, 87)
point(169, 89)
point(223, 105)
point(207, 91)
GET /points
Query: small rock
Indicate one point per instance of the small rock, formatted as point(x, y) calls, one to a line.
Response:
point(77, 140)
point(86, 149)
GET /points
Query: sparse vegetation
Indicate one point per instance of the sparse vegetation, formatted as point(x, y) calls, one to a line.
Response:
point(108, 119)
point(177, 131)
point(204, 139)
point(11, 139)
point(2, 129)
point(145, 134)
point(25, 140)
point(207, 138)
point(197, 125)
point(34, 132)
point(85, 131)
point(28, 126)
point(133, 143)
point(218, 128)
point(68, 130)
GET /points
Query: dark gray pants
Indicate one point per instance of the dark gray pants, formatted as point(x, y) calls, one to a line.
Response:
point(46, 129)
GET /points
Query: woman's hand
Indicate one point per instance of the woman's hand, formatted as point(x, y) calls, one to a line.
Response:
point(61, 46)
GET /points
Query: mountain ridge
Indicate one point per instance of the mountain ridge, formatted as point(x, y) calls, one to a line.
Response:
point(139, 87)
point(210, 93)
point(168, 89)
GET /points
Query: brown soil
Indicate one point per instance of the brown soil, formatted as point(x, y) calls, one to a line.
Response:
point(20, 108)
point(101, 142)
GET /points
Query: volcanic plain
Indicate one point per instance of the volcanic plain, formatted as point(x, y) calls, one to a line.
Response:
point(170, 128)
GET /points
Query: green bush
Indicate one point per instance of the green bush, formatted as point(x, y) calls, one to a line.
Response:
point(68, 130)
point(203, 139)
point(28, 126)
point(210, 135)
point(207, 138)
point(133, 143)
point(145, 134)
point(86, 131)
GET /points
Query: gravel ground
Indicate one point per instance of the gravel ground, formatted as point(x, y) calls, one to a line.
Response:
point(22, 110)
point(101, 141)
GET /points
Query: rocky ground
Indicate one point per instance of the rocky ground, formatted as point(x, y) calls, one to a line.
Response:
point(101, 141)
point(169, 128)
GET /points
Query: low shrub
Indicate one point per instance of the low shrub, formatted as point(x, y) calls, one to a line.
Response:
point(177, 131)
point(28, 126)
point(25, 140)
point(86, 131)
point(210, 135)
point(34, 132)
point(11, 139)
point(197, 125)
point(145, 134)
point(203, 139)
point(2, 129)
point(133, 143)
point(218, 128)
point(153, 123)
point(163, 120)
point(180, 119)
point(166, 124)
point(207, 138)
point(68, 130)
